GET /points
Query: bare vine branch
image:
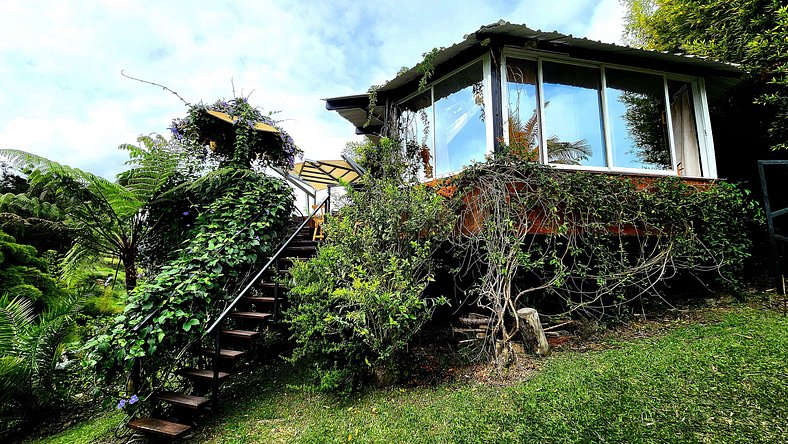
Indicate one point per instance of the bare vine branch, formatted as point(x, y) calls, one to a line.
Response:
point(156, 84)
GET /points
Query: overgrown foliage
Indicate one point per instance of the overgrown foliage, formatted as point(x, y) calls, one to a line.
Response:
point(230, 219)
point(357, 304)
point(589, 244)
point(107, 218)
point(252, 137)
point(25, 274)
point(230, 235)
point(748, 32)
point(32, 346)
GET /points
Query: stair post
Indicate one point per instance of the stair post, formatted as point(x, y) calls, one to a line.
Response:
point(276, 293)
point(216, 354)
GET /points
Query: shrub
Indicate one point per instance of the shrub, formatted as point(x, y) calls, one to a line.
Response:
point(358, 303)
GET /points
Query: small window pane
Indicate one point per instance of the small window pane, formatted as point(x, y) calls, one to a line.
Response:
point(685, 130)
point(460, 131)
point(573, 116)
point(638, 125)
point(523, 123)
point(415, 125)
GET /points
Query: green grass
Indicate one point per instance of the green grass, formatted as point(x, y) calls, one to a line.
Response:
point(89, 431)
point(725, 380)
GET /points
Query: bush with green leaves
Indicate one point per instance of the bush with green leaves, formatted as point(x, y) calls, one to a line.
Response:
point(23, 273)
point(32, 346)
point(358, 303)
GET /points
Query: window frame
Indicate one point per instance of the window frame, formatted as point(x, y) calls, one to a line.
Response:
point(488, 110)
point(700, 103)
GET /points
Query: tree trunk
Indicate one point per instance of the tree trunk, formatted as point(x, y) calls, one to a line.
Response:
point(531, 317)
point(130, 267)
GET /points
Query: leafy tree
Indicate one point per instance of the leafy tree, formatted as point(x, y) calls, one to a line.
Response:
point(107, 218)
point(748, 32)
point(24, 274)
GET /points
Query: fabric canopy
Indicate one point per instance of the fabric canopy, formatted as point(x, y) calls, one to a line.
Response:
point(259, 126)
point(321, 174)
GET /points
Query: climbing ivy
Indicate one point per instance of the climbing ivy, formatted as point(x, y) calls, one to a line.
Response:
point(230, 235)
point(240, 145)
point(589, 244)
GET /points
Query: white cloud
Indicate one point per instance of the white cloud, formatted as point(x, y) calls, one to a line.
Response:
point(60, 62)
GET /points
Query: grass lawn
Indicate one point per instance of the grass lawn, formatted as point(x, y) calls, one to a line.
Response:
point(721, 379)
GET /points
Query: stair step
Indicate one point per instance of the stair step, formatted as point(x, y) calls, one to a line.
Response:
point(309, 248)
point(224, 353)
point(303, 243)
point(241, 334)
point(159, 427)
point(201, 374)
point(181, 400)
point(255, 315)
point(260, 299)
point(271, 285)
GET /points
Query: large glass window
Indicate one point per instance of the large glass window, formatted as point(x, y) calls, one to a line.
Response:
point(460, 131)
point(415, 125)
point(604, 117)
point(636, 115)
point(447, 122)
point(573, 115)
point(523, 109)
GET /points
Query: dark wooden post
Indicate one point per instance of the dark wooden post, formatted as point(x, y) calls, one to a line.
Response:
point(496, 55)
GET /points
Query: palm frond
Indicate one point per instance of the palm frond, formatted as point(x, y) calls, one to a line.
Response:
point(15, 315)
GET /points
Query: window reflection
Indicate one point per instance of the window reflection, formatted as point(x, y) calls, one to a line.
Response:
point(638, 125)
point(572, 114)
point(415, 123)
point(460, 131)
point(523, 103)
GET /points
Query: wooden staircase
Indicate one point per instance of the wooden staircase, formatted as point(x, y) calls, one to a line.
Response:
point(175, 413)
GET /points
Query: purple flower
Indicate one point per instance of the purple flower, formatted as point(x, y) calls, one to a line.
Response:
point(121, 404)
point(133, 399)
point(185, 213)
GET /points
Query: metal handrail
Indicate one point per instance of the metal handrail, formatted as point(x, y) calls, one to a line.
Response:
point(276, 255)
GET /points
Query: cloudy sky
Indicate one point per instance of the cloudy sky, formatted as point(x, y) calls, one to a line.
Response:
point(62, 94)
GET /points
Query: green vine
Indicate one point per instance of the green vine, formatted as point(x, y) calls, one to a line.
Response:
point(427, 67)
point(590, 243)
point(230, 235)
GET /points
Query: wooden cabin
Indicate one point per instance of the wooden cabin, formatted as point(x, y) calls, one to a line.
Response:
point(568, 102)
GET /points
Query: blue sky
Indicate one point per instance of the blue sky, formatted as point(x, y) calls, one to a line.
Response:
point(63, 97)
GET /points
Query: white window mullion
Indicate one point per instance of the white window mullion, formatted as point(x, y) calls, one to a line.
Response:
point(709, 159)
point(434, 140)
point(505, 101)
point(540, 114)
point(606, 121)
point(489, 115)
point(669, 118)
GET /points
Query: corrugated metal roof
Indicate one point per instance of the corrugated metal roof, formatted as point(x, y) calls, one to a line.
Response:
point(720, 76)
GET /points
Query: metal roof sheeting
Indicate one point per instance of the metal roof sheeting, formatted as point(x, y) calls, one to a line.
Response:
point(719, 76)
